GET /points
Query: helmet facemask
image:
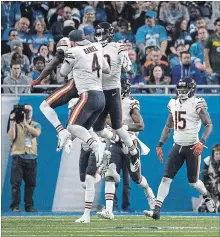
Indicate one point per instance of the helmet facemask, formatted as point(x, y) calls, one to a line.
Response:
point(103, 34)
point(185, 89)
point(183, 93)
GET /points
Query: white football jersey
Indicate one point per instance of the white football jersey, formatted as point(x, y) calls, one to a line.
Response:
point(129, 103)
point(187, 122)
point(116, 55)
point(86, 63)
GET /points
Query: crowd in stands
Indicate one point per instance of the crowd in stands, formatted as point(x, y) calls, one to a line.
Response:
point(165, 40)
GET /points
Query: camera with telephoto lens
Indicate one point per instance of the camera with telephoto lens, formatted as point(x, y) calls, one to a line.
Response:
point(20, 111)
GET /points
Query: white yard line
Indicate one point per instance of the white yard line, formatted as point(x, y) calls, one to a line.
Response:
point(100, 231)
point(85, 235)
point(112, 228)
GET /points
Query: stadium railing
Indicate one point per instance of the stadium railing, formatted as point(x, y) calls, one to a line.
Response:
point(165, 87)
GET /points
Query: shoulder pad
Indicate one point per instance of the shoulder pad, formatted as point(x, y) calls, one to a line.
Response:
point(134, 104)
point(200, 103)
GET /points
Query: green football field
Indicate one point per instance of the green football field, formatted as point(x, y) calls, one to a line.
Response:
point(181, 226)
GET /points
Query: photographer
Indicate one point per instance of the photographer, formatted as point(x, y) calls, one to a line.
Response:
point(22, 132)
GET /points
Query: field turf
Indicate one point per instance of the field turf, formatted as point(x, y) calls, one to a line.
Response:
point(138, 225)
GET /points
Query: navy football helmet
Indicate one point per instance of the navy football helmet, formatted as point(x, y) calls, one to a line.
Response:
point(185, 88)
point(125, 88)
point(104, 32)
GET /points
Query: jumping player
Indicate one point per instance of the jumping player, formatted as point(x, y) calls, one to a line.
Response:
point(117, 57)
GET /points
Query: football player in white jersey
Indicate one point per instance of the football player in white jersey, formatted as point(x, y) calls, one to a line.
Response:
point(88, 169)
point(117, 57)
point(186, 113)
point(133, 122)
point(61, 95)
point(86, 62)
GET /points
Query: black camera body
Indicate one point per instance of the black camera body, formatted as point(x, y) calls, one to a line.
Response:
point(20, 111)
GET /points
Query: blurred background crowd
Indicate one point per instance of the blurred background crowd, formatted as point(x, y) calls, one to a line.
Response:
point(165, 40)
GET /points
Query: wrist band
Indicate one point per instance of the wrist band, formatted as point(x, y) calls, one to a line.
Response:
point(160, 144)
point(202, 141)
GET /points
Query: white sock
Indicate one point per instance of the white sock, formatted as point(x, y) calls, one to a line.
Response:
point(80, 132)
point(143, 183)
point(51, 115)
point(97, 177)
point(107, 134)
point(124, 135)
point(199, 186)
point(89, 193)
point(109, 195)
point(94, 134)
point(163, 190)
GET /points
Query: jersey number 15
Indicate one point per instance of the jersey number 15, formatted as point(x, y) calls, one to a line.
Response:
point(179, 117)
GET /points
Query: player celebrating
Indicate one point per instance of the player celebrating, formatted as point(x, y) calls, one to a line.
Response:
point(117, 57)
point(85, 60)
point(186, 112)
point(61, 95)
point(88, 171)
point(134, 123)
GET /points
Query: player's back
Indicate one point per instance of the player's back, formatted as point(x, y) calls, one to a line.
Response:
point(187, 122)
point(86, 62)
point(113, 53)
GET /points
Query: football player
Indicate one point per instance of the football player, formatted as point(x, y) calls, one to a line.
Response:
point(117, 57)
point(85, 60)
point(186, 113)
point(133, 122)
point(89, 173)
point(61, 95)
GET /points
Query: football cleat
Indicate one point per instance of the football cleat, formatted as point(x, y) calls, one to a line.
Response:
point(210, 204)
point(63, 136)
point(113, 173)
point(155, 214)
point(104, 214)
point(84, 219)
point(150, 197)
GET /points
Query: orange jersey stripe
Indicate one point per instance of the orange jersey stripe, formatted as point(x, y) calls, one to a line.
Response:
point(78, 108)
point(60, 92)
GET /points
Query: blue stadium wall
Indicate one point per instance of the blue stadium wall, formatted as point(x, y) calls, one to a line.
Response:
point(154, 111)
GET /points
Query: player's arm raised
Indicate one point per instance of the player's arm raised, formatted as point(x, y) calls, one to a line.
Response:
point(207, 122)
point(48, 69)
point(68, 63)
point(164, 136)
